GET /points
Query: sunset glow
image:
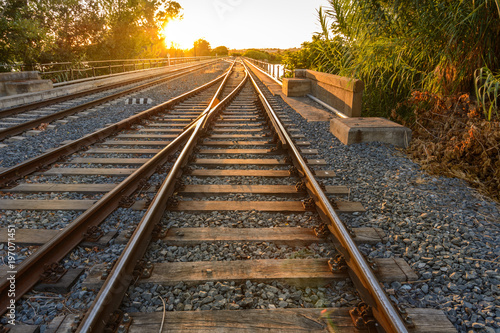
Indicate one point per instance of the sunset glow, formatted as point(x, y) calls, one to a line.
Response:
point(181, 33)
point(228, 22)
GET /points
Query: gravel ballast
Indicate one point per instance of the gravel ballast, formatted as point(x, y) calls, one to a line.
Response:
point(446, 231)
point(31, 146)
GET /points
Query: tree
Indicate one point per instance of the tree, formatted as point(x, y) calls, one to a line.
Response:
point(201, 48)
point(133, 28)
point(220, 51)
point(73, 30)
point(397, 47)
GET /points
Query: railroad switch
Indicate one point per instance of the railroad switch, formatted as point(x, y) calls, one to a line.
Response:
point(337, 264)
point(288, 160)
point(52, 272)
point(93, 234)
point(192, 159)
point(362, 317)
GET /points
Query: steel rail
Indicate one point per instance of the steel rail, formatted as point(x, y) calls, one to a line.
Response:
point(263, 72)
point(214, 99)
point(360, 272)
point(26, 107)
point(68, 112)
point(64, 113)
point(111, 293)
point(34, 164)
point(29, 271)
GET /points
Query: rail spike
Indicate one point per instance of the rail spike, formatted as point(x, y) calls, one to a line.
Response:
point(362, 317)
point(93, 233)
point(53, 272)
point(337, 264)
point(293, 171)
point(322, 231)
point(308, 203)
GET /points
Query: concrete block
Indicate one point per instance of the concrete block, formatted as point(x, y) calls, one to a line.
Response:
point(358, 130)
point(23, 87)
point(296, 87)
point(64, 122)
point(19, 76)
point(343, 93)
point(300, 73)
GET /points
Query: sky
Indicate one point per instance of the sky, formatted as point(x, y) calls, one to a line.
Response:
point(242, 24)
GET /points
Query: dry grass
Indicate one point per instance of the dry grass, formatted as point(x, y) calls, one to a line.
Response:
point(451, 137)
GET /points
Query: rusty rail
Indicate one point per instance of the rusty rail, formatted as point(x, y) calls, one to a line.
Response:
point(110, 295)
point(29, 271)
point(360, 272)
point(68, 112)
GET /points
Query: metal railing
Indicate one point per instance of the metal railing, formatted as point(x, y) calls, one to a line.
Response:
point(69, 71)
point(276, 71)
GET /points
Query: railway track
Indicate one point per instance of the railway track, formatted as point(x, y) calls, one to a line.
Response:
point(17, 120)
point(220, 177)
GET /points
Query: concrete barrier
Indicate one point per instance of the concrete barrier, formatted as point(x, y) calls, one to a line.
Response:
point(344, 94)
point(15, 83)
point(31, 97)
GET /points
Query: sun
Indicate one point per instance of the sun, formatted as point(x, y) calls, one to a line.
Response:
point(180, 33)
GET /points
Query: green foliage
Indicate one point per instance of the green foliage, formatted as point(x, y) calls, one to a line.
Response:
point(201, 48)
point(397, 47)
point(262, 55)
point(220, 51)
point(487, 86)
point(71, 30)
